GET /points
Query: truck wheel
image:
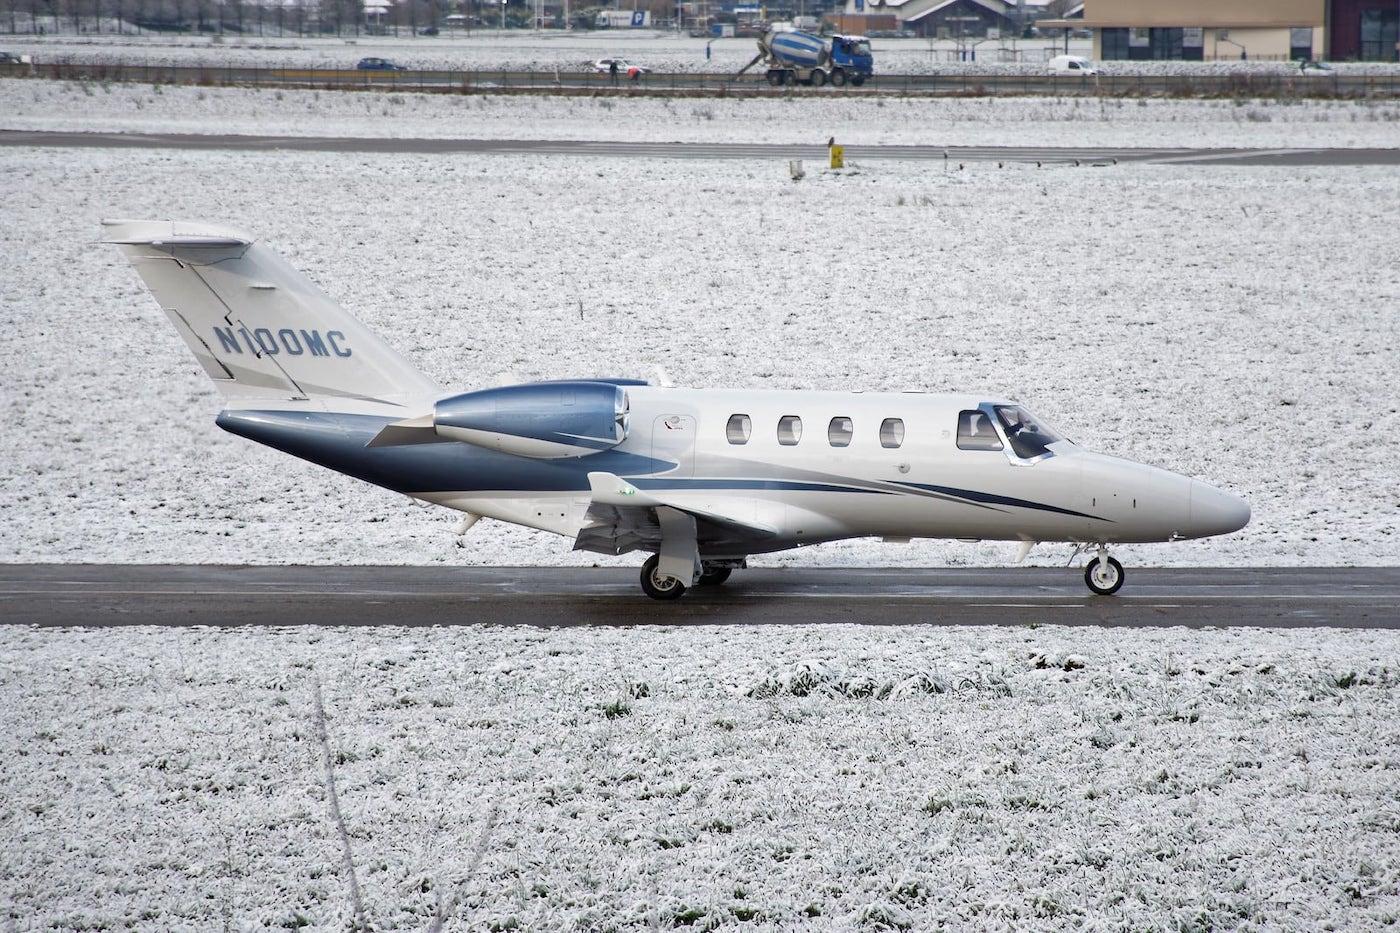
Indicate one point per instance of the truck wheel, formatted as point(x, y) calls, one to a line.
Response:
point(775, 78)
point(858, 80)
point(818, 77)
point(838, 78)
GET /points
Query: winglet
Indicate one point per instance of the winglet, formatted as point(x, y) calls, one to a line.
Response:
point(611, 489)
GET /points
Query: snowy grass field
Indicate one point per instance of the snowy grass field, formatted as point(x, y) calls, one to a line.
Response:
point(1234, 324)
point(1036, 121)
point(851, 778)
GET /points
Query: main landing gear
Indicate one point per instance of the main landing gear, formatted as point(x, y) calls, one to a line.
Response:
point(1104, 574)
point(658, 585)
point(661, 586)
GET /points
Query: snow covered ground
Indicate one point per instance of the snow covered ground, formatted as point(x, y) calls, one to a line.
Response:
point(1235, 324)
point(1036, 121)
point(521, 50)
point(842, 778)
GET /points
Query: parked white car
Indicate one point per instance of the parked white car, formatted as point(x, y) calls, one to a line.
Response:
point(604, 66)
point(1072, 65)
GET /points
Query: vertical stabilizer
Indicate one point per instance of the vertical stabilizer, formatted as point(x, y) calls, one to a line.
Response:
point(259, 328)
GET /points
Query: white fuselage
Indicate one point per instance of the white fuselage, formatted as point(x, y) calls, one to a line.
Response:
point(926, 486)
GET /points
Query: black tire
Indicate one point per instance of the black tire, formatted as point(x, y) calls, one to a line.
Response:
point(1110, 583)
point(714, 576)
point(838, 78)
point(659, 587)
point(818, 77)
point(775, 78)
point(858, 80)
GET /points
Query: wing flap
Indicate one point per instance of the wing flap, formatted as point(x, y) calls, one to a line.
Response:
point(623, 518)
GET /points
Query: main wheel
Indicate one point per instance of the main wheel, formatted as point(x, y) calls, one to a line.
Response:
point(858, 80)
point(714, 576)
point(838, 78)
point(657, 585)
point(818, 77)
point(1105, 581)
point(775, 78)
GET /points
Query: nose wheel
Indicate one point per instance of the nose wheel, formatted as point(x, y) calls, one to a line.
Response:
point(1104, 575)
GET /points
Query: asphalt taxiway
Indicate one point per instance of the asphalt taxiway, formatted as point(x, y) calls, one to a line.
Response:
point(121, 594)
point(1086, 156)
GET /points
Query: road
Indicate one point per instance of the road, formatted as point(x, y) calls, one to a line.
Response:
point(950, 154)
point(1285, 83)
point(105, 595)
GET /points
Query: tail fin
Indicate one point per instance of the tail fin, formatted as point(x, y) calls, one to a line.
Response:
point(260, 329)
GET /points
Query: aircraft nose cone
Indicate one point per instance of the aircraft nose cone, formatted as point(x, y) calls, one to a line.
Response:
point(1215, 512)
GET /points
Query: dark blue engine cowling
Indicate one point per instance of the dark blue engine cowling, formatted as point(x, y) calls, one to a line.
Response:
point(545, 419)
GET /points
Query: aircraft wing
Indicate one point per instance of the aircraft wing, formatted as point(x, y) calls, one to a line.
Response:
point(623, 518)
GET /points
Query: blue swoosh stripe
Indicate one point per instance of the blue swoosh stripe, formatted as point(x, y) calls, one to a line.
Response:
point(988, 498)
point(777, 484)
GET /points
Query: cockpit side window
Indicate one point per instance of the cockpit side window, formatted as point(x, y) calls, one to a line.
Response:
point(1029, 436)
point(975, 431)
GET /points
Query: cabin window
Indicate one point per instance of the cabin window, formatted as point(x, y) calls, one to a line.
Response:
point(1030, 437)
point(839, 431)
point(789, 430)
point(975, 431)
point(738, 429)
point(892, 432)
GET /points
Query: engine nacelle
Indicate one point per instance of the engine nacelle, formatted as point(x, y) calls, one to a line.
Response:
point(546, 420)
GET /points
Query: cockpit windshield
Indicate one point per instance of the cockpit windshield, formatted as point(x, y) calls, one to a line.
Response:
point(1029, 436)
point(860, 48)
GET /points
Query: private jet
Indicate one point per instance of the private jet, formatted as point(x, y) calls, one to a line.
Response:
point(700, 479)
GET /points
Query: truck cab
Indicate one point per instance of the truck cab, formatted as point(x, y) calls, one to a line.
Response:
point(853, 55)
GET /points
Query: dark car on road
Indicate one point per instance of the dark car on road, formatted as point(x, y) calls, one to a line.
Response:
point(378, 64)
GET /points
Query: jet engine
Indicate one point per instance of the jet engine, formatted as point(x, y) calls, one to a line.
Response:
point(546, 420)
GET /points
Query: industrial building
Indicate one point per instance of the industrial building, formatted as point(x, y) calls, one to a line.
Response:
point(1210, 30)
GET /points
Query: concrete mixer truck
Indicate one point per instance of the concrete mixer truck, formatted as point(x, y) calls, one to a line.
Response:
point(794, 57)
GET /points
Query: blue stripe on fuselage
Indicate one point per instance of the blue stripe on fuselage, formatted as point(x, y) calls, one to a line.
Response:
point(988, 498)
point(670, 484)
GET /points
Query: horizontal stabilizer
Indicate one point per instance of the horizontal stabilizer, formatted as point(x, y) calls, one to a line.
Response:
point(172, 236)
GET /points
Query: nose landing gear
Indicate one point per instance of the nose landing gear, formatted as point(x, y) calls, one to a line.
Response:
point(1104, 575)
